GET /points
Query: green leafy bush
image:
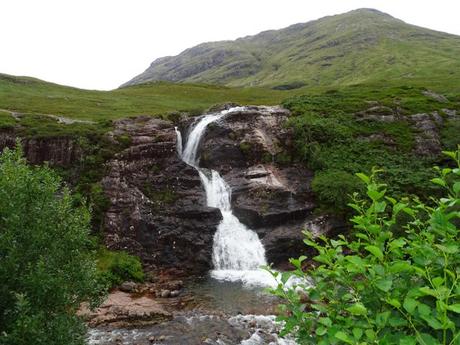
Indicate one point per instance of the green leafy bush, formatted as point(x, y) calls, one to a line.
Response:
point(449, 134)
point(379, 287)
point(333, 188)
point(117, 267)
point(46, 266)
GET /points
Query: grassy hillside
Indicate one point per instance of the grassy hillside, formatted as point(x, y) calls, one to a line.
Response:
point(28, 95)
point(336, 142)
point(26, 102)
point(356, 47)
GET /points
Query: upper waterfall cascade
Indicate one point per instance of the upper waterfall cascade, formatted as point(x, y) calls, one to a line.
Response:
point(238, 253)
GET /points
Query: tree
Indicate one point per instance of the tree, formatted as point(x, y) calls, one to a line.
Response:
point(47, 268)
point(394, 280)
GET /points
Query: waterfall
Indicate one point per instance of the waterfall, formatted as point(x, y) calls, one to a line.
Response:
point(179, 141)
point(237, 251)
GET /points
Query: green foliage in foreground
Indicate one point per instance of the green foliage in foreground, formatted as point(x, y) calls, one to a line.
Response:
point(117, 267)
point(46, 267)
point(378, 287)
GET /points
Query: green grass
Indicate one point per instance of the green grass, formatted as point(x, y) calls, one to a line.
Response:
point(6, 120)
point(32, 96)
point(34, 99)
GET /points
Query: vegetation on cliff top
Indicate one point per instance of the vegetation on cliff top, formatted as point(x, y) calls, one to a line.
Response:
point(335, 139)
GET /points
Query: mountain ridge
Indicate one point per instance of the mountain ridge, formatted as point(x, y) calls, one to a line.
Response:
point(319, 52)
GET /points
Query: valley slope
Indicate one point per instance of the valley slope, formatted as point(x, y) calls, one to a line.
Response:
point(359, 46)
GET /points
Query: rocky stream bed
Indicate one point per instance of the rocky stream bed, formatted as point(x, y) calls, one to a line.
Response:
point(206, 311)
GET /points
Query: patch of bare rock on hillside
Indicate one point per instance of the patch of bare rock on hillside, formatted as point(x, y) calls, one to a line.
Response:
point(426, 126)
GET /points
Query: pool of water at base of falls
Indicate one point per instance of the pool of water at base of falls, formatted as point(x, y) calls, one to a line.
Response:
point(220, 313)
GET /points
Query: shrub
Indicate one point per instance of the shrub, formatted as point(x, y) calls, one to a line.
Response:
point(377, 287)
point(117, 267)
point(449, 134)
point(46, 266)
point(334, 188)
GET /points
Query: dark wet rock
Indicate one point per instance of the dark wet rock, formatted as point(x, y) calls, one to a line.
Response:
point(157, 202)
point(245, 138)
point(270, 194)
point(173, 284)
point(289, 237)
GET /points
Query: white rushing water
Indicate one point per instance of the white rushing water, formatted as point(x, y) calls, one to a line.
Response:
point(238, 253)
point(179, 141)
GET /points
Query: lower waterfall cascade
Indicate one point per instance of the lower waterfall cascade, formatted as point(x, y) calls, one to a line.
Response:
point(238, 253)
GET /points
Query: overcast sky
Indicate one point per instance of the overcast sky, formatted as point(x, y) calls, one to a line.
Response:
point(100, 44)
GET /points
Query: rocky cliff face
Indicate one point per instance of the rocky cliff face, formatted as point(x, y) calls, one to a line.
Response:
point(157, 205)
point(58, 152)
point(270, 194)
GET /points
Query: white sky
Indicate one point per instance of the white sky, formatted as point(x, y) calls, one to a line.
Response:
point(100, 44)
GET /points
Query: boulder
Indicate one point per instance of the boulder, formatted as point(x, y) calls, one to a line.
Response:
point(165, 293)
point(120, 310)
point(289, 237)
point(128, 286)
point(436, 96)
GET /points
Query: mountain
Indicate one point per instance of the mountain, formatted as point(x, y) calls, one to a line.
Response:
point(358, 46)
